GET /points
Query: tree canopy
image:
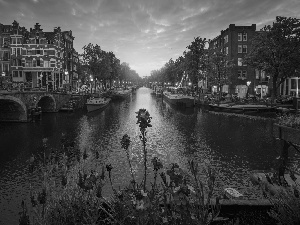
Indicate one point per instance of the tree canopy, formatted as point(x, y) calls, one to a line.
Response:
point(276, 50)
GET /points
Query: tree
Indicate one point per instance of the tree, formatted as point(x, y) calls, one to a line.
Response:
point(219, 69)
point(276, 50)
point(196, 60)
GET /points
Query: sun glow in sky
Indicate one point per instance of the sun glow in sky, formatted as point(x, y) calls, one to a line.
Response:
point(144, 33)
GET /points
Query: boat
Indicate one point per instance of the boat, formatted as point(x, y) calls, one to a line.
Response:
point(231, 193)
point(176, 97)
point(120, 93)
point(94, 104)
point(243, 109)
point(68, 107)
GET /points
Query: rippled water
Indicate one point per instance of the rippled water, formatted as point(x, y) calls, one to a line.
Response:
point(234, 146)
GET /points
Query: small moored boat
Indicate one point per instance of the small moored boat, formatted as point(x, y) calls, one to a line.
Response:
point(97, 103)
point(231, 193)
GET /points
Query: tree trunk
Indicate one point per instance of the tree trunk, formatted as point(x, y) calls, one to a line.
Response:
point(274, 86)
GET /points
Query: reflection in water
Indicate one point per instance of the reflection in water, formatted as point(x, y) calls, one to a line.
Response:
point(233, 146)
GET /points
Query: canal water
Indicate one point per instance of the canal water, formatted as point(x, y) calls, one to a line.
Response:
point(234, 146)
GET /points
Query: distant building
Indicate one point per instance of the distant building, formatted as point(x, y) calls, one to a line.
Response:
point(235, 41)
point(37, 58)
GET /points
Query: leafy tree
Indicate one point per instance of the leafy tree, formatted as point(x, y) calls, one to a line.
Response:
point(196, 60)
point(276, 50)
point(219, 68)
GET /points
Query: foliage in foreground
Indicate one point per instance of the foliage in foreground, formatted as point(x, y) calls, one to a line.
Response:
point(70, 194)
point(291, 120)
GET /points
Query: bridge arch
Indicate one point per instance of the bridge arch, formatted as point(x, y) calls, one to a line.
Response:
point(12, 109)
point(47, 103)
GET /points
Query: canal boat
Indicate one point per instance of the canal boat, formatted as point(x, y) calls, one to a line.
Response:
point(231, 193)
point(94, 104)
point(243, 109)
point(179, 99)
point(121, 93)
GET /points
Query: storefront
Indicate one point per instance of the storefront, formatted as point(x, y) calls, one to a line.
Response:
point(290, 87)
point(241, 90)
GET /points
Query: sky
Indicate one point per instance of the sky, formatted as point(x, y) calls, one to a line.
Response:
point(144, 33)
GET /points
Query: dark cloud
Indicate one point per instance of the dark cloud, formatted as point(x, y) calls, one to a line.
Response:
point(144, 33)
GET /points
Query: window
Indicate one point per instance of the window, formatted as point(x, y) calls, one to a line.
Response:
point(46, 64)
point(225, 39)
point(23, 62)
point(38, 62)
point(28, 63)
point(38, 52)
point(245, 36)
point(45, 52)
point(244, 48)
point(240, 62)
point(19, 51)
point(15, 73)
point(263, 74)
point(257, 74)
point(14, 41)
point(20, 74)
point(19, 40)
point(29, 52)
point(226, 50)
point(13, 51)
point(41, 63)
point(240, 36)
point(239, 48)
point(52, 63)
point(14, 62)
point(239, 74)
point(34, 62)
point(37, 41)
point(242, 74)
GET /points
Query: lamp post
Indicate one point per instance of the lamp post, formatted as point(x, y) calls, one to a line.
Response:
point(91, 79)
point(248, 84)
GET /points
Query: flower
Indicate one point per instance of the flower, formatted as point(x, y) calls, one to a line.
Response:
point(45, 140)
point(125, 141)
point(140, 204)
point(109, 167)
point(156, 164)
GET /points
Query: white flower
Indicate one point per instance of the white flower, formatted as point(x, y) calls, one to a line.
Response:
point(143, 193)
point(139, 204)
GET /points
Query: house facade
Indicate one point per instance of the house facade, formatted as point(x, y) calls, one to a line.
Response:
point(35, 58)
point(235, 42)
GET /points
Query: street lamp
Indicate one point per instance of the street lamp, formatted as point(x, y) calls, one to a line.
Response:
point(91, 79)
point(248, 84)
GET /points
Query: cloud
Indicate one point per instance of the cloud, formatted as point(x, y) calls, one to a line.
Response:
point(144, 33)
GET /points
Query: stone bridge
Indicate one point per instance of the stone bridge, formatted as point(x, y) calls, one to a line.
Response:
point(15, 106)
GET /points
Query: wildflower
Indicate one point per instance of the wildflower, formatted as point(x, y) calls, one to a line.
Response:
point(140, 205)
point(97, 155)
point(42, 196)
point(84, 154)
point(45, 140)
point(156, 164)
point(64, 180)
point(33, 201)
point(109, 167)
point(125, 141)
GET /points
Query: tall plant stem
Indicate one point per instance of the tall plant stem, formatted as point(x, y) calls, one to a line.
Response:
point(145, 160)
point(131, 171)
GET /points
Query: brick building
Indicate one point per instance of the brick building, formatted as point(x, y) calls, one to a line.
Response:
point(235, 41)
point(36, 58)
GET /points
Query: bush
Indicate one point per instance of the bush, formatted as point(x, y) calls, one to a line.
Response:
point(72, 195)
